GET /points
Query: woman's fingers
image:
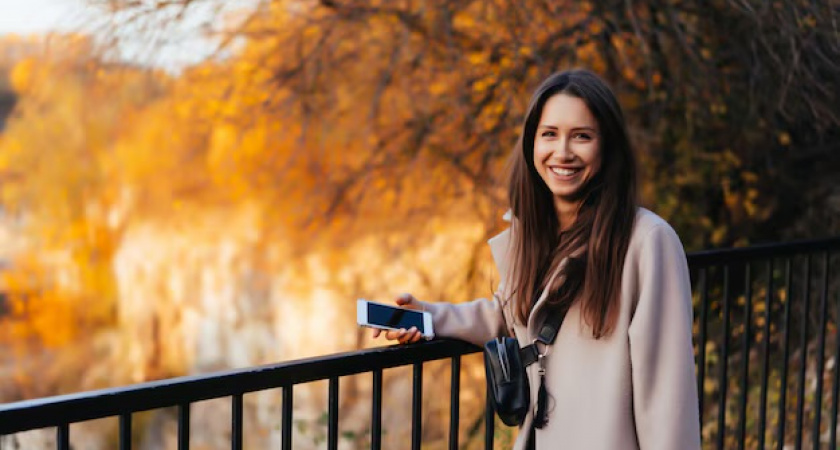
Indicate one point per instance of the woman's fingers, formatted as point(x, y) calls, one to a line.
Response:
point(404, 336)
point(406, 300)
point(414, 335)
point(410, 336)
point(376, 332)
point(394, 335)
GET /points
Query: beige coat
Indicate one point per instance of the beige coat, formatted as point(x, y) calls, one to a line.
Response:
point(635, 389)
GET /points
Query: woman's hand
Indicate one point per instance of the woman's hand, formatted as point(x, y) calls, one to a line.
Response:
point(403, 336)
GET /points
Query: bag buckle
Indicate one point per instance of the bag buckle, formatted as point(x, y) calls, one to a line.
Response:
point(541, 362)
point(540, 355)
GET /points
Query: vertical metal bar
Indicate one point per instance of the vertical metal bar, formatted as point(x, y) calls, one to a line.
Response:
point(723, 361)
point(236, 422)
point(286, 436)
point(835, 385)
point(125, 431)
point(332, 415)
point(184, 426)
point(765, 363)
point(417, 407)
point(701, 351)
point(745, 358)
point(454, 402)
point(489, 421)
point(63, 436)
point(376, 412)
point(780, 431)
point(815, 431)
point(803, 349)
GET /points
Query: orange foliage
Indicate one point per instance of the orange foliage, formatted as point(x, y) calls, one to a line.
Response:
point(398, 116)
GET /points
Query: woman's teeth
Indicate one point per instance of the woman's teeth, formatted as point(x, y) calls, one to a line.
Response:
point(564, 172)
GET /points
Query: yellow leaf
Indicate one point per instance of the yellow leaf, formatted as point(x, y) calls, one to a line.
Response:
point(784, 138)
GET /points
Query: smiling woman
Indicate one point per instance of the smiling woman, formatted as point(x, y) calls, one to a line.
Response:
point(580, 247)
point(567, 152)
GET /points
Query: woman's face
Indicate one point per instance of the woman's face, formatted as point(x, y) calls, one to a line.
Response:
point(567, 149)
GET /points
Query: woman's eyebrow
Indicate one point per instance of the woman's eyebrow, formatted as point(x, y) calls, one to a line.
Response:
point(555, 127)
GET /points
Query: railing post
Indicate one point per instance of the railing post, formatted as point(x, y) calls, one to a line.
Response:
point(288, 398)
point(803, 349)
point(782, 413)
point(184, 426)
point(376, 412)
point(701, 346)
point(332, 415)
point(745, 359)
point(417, 407)
point(815, 432)
point(63, 437)
point(125, 431)
point(236, 422)
point(724, 362)
point(454, 402)
point(765, 362)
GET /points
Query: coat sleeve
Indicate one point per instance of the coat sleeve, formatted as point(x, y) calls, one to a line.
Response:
point(665, 403)
point(476, 321)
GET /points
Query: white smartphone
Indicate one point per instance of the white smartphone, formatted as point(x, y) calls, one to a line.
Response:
point(389, 317)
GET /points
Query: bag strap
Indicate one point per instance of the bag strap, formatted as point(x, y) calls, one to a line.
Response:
point(529, 354)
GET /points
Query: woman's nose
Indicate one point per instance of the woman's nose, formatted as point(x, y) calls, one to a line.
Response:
point(562, 150)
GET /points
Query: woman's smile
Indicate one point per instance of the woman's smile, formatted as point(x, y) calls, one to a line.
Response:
point(565, 173)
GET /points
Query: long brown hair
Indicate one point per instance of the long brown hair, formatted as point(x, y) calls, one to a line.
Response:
point(597, 242)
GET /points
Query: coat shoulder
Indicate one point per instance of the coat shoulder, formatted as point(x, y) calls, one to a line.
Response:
point(649, 226)
point(647, 220)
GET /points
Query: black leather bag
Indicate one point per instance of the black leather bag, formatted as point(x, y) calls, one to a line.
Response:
point(507, 380)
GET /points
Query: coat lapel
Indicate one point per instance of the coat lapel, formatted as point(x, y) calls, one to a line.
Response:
point(500, 248)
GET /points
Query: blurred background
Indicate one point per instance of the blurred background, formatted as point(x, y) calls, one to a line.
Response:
point(193, 185)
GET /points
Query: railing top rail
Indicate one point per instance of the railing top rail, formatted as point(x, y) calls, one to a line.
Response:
point(78, 407)
point(761, 251)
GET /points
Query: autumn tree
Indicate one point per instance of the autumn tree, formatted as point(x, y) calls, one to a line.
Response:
point(730, 102)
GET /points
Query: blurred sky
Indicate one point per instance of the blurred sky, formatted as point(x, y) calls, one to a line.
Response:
point(171, 47)
point(38, 16)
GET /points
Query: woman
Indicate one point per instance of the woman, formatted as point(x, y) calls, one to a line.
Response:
point(620, 373)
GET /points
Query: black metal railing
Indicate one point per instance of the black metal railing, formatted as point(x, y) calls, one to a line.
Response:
point(761, 319)
point(61, 411)
point(762, 327)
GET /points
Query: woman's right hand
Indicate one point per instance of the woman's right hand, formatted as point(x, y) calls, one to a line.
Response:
point(403, 336)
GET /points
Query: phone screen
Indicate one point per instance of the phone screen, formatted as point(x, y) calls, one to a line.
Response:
point(394, 317)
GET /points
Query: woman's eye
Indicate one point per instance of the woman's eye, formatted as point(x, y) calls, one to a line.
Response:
point(584, 136)
point(548, 134)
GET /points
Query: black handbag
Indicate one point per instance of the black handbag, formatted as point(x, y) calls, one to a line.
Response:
point(507, 381)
